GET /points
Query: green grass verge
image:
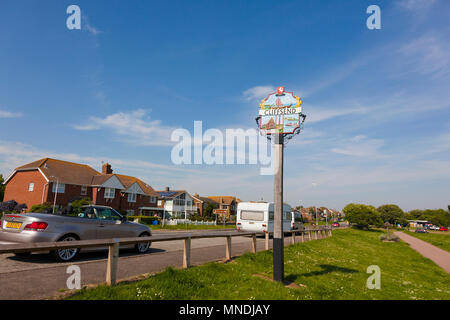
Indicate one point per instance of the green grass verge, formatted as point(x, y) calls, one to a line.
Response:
point(191, 227)
point(332, 268)
point(441, 240)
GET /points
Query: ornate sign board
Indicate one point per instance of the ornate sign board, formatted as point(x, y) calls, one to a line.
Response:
point(280, 112)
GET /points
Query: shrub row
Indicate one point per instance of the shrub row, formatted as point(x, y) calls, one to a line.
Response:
point(144, 219)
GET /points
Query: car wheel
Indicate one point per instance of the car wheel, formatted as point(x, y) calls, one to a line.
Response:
point(143, 247)
point(66, 255)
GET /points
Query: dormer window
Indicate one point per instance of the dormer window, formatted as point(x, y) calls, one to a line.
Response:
point(110, 193)
point(132, 197)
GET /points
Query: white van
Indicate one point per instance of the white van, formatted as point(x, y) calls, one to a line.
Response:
point(258, 216)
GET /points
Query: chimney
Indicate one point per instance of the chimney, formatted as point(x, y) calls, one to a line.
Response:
point(106, 169)
point(167, 189)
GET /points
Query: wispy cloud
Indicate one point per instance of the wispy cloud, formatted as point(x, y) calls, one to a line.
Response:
point(258, 92)
point(427, 55)
point(316, 114)
point(415, 5)
point(8, 114)
point(136, 127)
point(93, 30)
point(360, 146)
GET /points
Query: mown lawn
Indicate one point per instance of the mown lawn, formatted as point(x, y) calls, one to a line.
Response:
point(332, 268)
point(441, 240)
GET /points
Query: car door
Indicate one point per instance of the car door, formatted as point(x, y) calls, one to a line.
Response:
point(109, 224)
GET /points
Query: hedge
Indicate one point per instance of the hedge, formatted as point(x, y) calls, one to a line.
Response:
point(144, 219)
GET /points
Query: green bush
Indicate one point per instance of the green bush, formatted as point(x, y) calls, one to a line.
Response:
point(144, 219)
point(77, 204)
point(42, 208)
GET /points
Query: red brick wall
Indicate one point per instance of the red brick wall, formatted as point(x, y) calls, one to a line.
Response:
point(17, 188)
point(71, 192)
point(99, 198)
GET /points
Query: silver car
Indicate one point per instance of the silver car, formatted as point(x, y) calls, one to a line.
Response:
point(93, 222)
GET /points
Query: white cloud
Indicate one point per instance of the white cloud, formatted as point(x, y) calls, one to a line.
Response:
point(414, 5)
point(8, 114)
point(93, 30)
point(360, 146)
point(258, 92)
point(427, 55)
point(315, 114)
point(136, 127)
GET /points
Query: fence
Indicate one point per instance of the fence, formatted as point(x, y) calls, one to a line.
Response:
point(113, 244)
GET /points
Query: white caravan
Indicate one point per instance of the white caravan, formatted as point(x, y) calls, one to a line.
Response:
point(258, 216)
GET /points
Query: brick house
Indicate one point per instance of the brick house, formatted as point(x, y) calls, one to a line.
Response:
point(200, 203)
point(228, 203)
point(47, 180)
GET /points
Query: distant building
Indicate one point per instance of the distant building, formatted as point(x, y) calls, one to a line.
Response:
point(228, 203)
point(175, 204)
point(200, 203)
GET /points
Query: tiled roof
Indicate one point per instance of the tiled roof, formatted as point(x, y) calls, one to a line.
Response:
point(223, 199)
point(127, 181)
point(63, 171)
point(205, 199)
point(80, 174)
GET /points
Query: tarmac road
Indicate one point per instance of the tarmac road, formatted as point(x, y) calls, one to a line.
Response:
point(39, 277)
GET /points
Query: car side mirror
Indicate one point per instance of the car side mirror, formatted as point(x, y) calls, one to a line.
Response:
point(124, 219)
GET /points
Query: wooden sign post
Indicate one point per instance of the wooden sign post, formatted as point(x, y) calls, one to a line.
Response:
point(280, 118)
point(278, 234)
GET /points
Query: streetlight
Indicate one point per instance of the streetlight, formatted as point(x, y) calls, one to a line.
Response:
point(56, 192)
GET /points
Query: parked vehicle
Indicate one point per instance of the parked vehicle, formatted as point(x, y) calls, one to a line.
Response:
point(421, 230)
point(258, 216)
point(93, 222)
point(436, 228)
point(443, 229)
point(297, 221)
point(335, 224)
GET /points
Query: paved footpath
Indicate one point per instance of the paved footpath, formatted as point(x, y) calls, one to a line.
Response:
point(437, 255)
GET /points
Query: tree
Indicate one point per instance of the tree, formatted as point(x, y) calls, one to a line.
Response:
point(391, 213)
point(414, 214)
point(209, 209)
point(362, 216)
point(2, 188)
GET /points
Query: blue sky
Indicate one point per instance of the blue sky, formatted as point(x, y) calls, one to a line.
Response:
point(377, 101)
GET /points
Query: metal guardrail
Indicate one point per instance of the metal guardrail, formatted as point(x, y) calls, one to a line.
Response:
point(113, 244)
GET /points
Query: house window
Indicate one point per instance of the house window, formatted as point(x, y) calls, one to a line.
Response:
point(159, 203)
point(61, 187)
point(110, 193)
point(83, 190)
point(152, 199)
point(31, 187)
point(132, 197)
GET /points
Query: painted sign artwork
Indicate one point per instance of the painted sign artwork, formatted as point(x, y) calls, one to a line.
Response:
point(280, 112)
